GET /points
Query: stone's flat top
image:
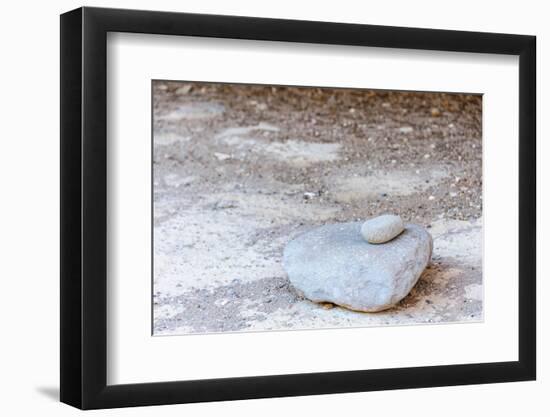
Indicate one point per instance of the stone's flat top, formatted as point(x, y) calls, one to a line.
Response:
point(334, 263)
point(343, 243)
point(382, 229)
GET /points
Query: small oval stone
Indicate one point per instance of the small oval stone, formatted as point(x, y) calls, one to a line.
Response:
point(382, 229)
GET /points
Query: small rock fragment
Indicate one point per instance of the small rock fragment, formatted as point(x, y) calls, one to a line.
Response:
point(221, 156)
point(184, 90)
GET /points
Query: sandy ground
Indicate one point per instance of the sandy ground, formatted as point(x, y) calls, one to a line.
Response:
point(240, 170)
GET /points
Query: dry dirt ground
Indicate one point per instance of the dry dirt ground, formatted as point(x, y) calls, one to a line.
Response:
point(238, 171)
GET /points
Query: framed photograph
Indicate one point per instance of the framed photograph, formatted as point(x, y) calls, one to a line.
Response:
point(257, 208)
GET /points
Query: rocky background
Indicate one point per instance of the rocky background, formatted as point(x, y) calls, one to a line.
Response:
point(240, 170)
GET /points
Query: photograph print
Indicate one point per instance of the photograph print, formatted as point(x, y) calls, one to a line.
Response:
point(280, 208)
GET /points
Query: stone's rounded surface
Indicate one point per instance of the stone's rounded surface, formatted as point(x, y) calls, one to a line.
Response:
point(382, 229)
point(333, 263)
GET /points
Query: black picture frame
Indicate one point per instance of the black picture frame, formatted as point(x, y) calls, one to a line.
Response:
point(84, 207)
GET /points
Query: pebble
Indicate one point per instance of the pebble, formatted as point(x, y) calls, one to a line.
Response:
point(222, 156)
point(382, 229)
point(183, 90)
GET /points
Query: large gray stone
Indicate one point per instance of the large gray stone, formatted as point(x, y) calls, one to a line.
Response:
point(333, 263)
